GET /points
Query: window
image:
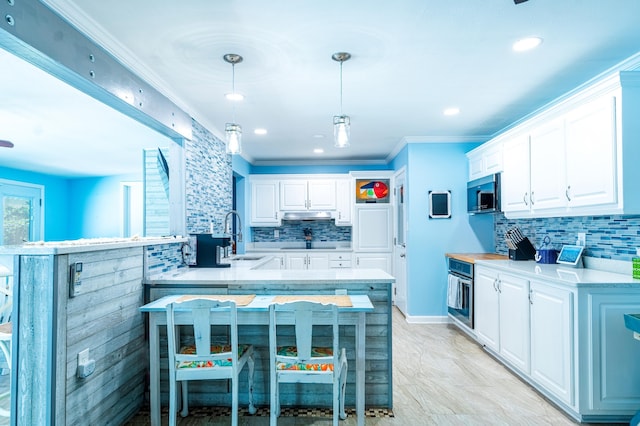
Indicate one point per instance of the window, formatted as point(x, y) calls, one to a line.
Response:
point(21, 212)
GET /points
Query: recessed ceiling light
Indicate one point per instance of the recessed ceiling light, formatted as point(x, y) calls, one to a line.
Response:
point(260, 131)
point(318, 151)
point(527, 43)
point(234, 96)
point(451, 111)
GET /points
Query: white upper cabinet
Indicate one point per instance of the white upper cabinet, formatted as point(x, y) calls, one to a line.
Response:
point(516, 179)
point(485, 160)
point(591, 153)
point(575, 158)
point(315, 194)
point(547, 166)
point(345, 200)
point(264, 202)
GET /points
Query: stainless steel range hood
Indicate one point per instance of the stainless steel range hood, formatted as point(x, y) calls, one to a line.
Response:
point(306, 215)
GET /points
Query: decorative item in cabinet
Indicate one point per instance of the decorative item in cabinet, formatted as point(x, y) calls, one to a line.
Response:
point(373, 191)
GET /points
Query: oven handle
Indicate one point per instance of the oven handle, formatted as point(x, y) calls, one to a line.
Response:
point(462, 280)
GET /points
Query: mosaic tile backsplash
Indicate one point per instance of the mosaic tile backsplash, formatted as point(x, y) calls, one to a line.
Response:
point(163, 258)
point(608, 237)
point(293, 231)
point(208, 181)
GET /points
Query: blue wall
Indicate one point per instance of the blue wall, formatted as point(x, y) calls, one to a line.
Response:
point(438, 167)
point(96, 206)
point(77, 208)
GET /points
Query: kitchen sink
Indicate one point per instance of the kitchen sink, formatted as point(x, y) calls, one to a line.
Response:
point(303, 248)
point(246, 257)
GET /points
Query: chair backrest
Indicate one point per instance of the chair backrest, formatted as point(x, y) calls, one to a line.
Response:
point(6, 295)
point(304, 316)
point(197, 314)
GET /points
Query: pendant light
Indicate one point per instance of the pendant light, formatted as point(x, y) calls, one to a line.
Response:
point(233, 131)
point(341, 123)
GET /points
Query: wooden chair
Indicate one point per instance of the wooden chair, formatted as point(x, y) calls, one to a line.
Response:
point(206, 359)
point(304, 362)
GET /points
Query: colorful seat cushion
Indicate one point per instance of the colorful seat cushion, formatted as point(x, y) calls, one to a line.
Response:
point(215, 349)
point(292, 351)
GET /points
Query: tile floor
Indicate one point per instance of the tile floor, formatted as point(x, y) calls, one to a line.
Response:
point(441, 377)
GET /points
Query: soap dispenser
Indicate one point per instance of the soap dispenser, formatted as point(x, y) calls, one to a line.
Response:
point(636, 264)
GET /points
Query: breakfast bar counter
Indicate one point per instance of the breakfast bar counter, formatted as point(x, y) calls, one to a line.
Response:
point(244, 276)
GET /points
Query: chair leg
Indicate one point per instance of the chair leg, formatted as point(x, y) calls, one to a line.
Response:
point(234, 400)
point(336, 399)
point(185, 399)
point(344, 368)
point(173, 402)
point(275, 402)
point(251, 362)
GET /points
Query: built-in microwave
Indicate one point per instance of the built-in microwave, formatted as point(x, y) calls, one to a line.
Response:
point(483, 195)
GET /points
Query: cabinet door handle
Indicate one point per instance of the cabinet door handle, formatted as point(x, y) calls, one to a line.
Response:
point(566, 193)
point(524, 198)
point(531, 296)
point(495, 284)
point(276, 215)
point(403, 255)
point(531, 198)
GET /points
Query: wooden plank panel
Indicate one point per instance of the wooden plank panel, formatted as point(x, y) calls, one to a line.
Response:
point(105, 318)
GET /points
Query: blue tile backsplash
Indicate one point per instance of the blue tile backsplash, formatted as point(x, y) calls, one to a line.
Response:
point(608, 237)
point(208, 181)
point(292, 231)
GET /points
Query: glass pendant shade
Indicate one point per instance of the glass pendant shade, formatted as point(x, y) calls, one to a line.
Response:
point(341, 130)
point(233, 133)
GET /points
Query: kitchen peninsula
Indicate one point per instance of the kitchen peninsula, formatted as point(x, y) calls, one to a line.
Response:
point(245, 276)
point(78, 302)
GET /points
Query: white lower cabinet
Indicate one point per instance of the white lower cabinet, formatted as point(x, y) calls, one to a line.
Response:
point(568, 340)
point(552, 339)
point(373, 261)
point(307, 260)
point(340, 260)
point(502, 315)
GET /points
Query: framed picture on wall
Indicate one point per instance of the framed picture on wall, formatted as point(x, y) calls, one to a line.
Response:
point(439, 204)
point(372, 191)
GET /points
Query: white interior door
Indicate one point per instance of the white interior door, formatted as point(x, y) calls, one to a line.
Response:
point(21, 212)
point(399, 243)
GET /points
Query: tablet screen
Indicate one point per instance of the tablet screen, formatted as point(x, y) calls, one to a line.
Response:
point(570, 255)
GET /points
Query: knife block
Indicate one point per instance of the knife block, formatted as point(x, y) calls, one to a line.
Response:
point(524, 251)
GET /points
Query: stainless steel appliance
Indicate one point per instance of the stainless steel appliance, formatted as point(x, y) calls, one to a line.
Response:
point(483, 195)
point(460, 292)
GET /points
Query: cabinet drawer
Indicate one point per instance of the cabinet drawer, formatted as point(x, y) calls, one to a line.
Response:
point(340, 263)
point(340, 256)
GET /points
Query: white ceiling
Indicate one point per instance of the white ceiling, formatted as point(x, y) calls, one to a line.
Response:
point(410, 60)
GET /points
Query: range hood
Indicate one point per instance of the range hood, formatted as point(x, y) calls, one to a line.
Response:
point(306, 215)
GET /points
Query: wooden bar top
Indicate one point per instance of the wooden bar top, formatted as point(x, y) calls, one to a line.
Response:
point(472, 257)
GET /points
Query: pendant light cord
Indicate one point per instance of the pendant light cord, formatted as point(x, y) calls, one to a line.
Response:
point(341, 62)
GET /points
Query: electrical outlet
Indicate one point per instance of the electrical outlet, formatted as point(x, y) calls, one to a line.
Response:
point(83, 357)
point(582, 238)
point(276, 233)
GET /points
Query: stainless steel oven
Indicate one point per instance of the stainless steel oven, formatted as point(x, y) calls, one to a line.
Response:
point(460, 292)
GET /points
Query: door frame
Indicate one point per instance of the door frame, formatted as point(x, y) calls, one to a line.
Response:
point(399, 248)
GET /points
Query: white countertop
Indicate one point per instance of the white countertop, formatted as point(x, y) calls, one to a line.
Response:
point(240, 272)
point(87, 244)
point(284, 247)
point(560, 273)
